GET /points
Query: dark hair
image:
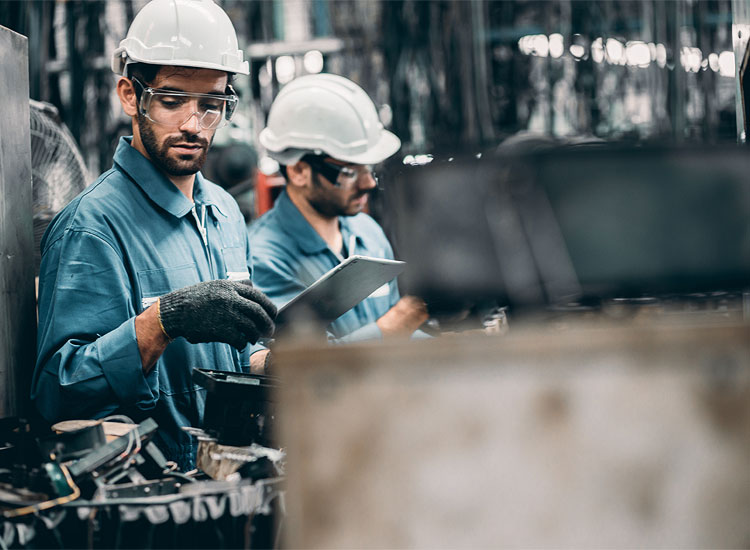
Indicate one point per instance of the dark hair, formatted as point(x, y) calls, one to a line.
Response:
point(145, 73)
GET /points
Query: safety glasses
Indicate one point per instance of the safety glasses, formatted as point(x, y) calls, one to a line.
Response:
point(173, 108)
point(338, 174)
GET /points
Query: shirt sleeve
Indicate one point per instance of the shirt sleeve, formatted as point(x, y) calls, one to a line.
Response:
point(88, 362)
point(276, 279)
point(252, 348)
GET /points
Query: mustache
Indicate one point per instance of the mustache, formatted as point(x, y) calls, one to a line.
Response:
point(186, 138)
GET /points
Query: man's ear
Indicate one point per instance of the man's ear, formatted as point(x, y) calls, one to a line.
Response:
point(126, 93)
point(299, 174)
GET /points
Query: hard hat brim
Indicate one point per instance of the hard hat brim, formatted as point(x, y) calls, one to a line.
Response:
point(386, 147)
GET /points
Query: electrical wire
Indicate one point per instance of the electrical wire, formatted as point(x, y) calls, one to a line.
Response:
point(26, 510)
point(134, 438)
point(180, 475)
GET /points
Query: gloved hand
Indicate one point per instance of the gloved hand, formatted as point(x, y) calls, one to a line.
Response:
point(217, 311)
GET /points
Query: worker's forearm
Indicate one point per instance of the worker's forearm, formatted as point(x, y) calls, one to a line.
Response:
point(259, 361)
point(151, 338)
point(403, 318)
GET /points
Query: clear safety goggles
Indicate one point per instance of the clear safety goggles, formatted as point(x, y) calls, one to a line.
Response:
point(339, 174)
point(173, 108)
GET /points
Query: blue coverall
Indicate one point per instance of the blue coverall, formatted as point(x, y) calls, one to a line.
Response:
point(127, 239)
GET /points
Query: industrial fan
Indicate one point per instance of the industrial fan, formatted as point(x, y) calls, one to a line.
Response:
point(58, 170)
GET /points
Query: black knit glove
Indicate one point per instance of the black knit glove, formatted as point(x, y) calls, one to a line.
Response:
point(217, 311)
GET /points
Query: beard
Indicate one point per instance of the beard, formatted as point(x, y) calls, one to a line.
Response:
point(182, 165)
point(329, 205)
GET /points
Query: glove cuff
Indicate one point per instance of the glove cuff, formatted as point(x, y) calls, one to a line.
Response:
point(170, 310)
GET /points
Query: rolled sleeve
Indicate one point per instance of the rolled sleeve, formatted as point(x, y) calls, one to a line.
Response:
point(370, 331)
point(88, 361)
point(120, 358)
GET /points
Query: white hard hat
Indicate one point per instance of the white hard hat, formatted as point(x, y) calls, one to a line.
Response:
point(184, 33)
point(326, 114)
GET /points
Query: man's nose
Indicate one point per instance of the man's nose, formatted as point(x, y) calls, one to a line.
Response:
point(192, 124)
point(366, 180)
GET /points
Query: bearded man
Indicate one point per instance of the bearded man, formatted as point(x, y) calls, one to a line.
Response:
point(325, 133)
point(146, 274)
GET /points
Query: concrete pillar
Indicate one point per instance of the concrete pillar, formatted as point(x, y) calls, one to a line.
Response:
point(17, 302)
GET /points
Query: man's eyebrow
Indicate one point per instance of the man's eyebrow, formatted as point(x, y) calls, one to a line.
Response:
point(171, 89)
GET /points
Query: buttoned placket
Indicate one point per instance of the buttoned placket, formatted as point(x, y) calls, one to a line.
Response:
point(202, 230)
point(349, 249)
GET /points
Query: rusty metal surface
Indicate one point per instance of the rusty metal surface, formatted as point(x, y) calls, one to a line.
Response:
point(17, 303)
point(585, 437)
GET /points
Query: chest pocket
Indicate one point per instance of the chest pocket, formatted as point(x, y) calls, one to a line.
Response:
point(157, 282)
point(235, 264)
point(232, 237)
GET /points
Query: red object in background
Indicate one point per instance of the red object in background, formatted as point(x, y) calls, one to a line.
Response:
point(267, 189)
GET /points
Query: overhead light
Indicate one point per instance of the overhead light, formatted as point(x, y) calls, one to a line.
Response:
point(285, 69)
point(726, 64)
point(597, 50)
point(615, 51)
point(577, 51)
point(661, 55)
point(713, 61)
point(691, 59)
point(313, 61)
point(556, 45)
point(637, 54)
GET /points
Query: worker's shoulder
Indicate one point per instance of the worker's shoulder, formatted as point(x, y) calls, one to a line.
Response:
point(270, 226)
point(272, 241)
point(363, 224)
point(88, 210)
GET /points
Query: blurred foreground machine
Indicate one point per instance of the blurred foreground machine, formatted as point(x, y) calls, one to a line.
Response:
point(94, 484)
point(621, 437)
point(616, 411)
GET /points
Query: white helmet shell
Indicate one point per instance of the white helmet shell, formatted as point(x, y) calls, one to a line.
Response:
point(326, 114)
point(184, 33)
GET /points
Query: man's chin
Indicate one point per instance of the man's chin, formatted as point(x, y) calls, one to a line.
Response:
point(184, 165)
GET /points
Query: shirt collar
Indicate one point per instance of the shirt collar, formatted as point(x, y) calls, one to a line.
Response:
point(157, 186)
point(300, 229)
point(208, 195)
point(347, 231)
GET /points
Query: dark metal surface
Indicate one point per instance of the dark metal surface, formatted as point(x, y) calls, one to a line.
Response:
point(103, 455)
point(239, 408)
point(585, 222)
point(17, 308)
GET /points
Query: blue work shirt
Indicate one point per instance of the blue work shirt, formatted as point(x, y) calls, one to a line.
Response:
point(127, 239)
point(288, 255)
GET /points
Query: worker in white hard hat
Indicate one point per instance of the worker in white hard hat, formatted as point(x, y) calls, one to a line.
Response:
point(146, 274)
point(325, 133)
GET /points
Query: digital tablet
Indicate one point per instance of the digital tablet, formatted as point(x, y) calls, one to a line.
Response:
point(342, 288)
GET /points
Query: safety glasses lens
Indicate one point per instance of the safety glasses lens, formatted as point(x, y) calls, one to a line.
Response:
point(176, 108)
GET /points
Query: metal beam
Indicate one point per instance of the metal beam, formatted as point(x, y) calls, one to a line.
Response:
point(17, 303)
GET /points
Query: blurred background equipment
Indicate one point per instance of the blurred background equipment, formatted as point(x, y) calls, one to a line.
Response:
point(566, 224)
point(441, 72)
point(58, 170)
